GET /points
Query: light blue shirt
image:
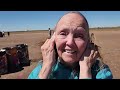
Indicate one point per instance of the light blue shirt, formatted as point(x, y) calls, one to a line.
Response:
point(59, 71)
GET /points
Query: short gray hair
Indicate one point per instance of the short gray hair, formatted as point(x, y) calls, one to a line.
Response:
point(75, 12)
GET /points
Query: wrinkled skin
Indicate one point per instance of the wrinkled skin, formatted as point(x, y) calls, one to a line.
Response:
point(72, 43)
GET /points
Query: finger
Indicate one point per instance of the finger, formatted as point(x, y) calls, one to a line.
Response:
point(46, 42)
point(49, 43)
point(91, 58)
point(45, 45)
point(95, 56)
point(52, 41)
point(91, 54)
point(53, 36)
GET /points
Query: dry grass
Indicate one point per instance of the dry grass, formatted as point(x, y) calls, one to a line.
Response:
point(107, 39)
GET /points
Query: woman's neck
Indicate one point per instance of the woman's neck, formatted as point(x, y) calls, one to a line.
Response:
point(73, 66)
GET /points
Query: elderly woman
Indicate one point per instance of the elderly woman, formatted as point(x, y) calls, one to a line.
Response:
point(68, 54)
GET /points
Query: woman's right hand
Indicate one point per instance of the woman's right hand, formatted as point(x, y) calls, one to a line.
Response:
point(48, 51)
point(48, 54)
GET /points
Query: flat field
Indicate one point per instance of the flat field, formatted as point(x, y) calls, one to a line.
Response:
point(107, 39)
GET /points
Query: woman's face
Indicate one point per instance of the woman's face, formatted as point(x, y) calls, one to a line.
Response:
point(71, 38)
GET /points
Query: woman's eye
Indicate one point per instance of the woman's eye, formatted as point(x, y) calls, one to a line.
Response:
point(79, 36)
point(62, 33)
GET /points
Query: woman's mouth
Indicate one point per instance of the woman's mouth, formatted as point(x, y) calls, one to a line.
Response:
point(70, 51)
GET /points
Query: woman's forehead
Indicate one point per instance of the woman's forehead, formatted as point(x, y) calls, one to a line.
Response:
point(72, 21)
point(70, 27)
point(73, 28)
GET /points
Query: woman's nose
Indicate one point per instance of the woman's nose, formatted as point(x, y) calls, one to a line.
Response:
point(70, 40)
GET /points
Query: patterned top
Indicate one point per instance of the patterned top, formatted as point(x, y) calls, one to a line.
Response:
point(60, 71)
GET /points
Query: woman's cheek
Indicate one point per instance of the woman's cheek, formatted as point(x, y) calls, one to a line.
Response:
point(59, 46)
point(81, 46)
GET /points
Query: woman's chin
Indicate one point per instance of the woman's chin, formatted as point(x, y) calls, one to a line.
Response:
point(70, 60)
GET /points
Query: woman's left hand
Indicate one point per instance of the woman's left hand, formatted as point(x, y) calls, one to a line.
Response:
point(88, 58)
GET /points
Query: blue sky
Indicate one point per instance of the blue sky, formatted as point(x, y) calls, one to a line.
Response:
point(42, 20)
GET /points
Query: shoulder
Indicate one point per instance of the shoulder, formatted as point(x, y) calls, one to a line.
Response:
point(35, 71)
point(101, 70)
point(104, 73)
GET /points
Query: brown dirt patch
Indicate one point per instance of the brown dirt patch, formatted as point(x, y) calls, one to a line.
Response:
point(107, 39)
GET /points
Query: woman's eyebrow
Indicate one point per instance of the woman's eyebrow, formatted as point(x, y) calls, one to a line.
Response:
point(64, 29)
point(80, 30)
point(80, 27)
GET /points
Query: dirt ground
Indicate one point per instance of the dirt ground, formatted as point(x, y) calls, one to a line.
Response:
point(107, 39)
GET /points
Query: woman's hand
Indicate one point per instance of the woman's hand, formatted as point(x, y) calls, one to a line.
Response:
point(88, 58)
point(48, 51)
point(48, 54)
